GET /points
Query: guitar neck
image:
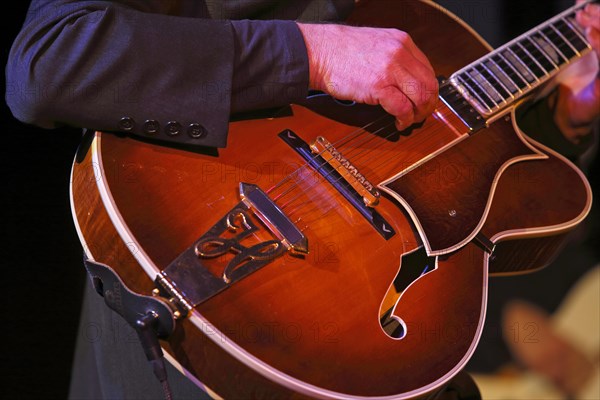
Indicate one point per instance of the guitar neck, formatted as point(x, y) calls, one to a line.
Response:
point(497, 80)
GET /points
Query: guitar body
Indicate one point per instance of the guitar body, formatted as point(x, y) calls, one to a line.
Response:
point(314, 325)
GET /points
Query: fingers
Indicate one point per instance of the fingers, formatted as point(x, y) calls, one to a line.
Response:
point(408, 99)
point(424, 96)
point(593, 36)
point(593, 9)
point(589, 18)
point(406, 86)
point(419, 55)
point(394, 102)
point(419, 88)
point(418, 84)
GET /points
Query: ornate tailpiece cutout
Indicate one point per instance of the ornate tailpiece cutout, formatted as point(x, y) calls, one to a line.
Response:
point(247, 259)
point(229, 251)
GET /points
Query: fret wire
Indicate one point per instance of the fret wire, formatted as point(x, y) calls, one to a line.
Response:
point(485, 92)
point(506, 75)
point(538, 65)
point(572, 35)
point(483, 103)
point(499, 81)
point(533, 58)
point(565, 39)
point(491, 74)
point(549, 41)
point(561, 42)
point(491, 85)
point(543, 52)
point(515, 70)
point(523, 64)
point(538, 56)
point(479, 92)
point(576, 30)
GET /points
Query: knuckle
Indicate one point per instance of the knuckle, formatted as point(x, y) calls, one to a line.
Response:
point(399, 106)
point(402, 36)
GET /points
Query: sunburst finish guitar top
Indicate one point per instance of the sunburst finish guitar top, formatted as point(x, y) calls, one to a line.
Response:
point(324, 254)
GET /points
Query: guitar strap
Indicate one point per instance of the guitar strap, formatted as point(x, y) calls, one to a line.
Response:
point(151, 317)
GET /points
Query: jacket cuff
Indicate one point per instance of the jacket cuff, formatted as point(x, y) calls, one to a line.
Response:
point(270, 66)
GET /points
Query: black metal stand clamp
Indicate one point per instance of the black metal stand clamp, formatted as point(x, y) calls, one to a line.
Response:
point(151, 317)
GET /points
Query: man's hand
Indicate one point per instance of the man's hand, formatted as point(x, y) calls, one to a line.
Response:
point(373, 66)
point(576, 112)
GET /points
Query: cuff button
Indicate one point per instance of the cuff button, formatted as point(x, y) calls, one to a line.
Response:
point(126, 124)
point(196, 131)
point(173, 128)
point(151, 127)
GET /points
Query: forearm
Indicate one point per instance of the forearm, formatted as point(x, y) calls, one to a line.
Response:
point(93, 63)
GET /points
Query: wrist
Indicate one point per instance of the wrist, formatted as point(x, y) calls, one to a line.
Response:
point(316, 38)
point(311, 38)
point(575, 114)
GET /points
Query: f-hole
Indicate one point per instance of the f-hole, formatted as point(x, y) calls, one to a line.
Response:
point(412, 266)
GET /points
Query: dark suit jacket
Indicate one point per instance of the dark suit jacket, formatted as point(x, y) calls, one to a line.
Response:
point(173, 70)
point(170, 69)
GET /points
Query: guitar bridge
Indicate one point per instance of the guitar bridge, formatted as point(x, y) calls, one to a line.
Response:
point(355, 194)
point(348, 171)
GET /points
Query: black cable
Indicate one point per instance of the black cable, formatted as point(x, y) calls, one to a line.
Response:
point(149, 341)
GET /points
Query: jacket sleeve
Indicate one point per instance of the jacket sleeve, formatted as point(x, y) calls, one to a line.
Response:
point(151, 68)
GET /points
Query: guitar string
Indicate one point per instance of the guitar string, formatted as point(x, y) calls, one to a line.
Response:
point(420, 140)
point(347, 139)
point(384, 161)
point(312, 173)
point(322, 164)
point(357, 153)
point(416, 143)
point(354, 133)
point(315, 157)
point(326, 161)
point(370, 137)
point(298, 182)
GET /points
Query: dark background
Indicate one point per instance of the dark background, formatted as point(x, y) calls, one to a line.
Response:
point(42, 273)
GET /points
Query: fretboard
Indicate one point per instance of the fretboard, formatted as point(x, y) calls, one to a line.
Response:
point(498, 79)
